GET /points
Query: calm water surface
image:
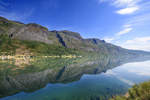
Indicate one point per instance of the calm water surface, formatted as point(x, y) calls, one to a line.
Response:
point(100, 86)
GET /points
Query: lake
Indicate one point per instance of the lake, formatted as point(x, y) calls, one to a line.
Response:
point(90, 86)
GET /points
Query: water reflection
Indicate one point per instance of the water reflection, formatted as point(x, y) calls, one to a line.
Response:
point(133, 72)
point(88, 80)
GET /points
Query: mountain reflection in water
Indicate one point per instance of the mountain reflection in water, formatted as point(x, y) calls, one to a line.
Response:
point(78, 81)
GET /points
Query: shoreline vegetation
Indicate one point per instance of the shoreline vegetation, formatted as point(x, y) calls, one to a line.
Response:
point(20, 57)
point(137, 92)
point(26, 59)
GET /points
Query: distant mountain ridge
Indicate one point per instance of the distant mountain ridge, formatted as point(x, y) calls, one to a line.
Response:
point(33, 72)
point(37, 32)
point(67, 39)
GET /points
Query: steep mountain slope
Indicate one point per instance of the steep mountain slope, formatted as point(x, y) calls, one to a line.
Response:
point(66, 39)
point(24, 32)
point(62, 51)
point(36, 32)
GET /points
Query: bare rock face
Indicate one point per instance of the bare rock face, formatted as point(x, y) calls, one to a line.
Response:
point(108, 55)
point(32, 32)
point(74, 40)
point(35, 32)
point(67, 39)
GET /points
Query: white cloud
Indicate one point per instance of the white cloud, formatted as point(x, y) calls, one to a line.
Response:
point(16, 16)
point(13, 15)
point(141, 39)
point(142, 71)
point(125, 6)
point(142, 19)
point(139, 43)
point(3, 5)
point(124, 31)
point(127, 25)
point(107, 39)
point(125, 3)
point(2, 2)
point(121, 3)
point(101, 1)
point(129, 10)
point(112, 73)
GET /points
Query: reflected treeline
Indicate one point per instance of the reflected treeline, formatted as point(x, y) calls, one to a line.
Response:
point(37, 74)
point(27, 58)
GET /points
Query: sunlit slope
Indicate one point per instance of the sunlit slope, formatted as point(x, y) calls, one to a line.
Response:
point(51, 42)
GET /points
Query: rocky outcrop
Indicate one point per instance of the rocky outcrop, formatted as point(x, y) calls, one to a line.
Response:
point(32, 32)
point(35, 32)
point(67, 39)
point(107, 57)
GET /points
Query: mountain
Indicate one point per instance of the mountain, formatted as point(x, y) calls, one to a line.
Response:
point(29, 44)
point(32, 51)
point(67, 39)
point(35, 32)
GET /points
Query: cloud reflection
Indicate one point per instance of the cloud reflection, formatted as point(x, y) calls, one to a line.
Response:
point(131, 73)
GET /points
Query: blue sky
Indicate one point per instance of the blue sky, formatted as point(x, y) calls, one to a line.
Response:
point(122, 22)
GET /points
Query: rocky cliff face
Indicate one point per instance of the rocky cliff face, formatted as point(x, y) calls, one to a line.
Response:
point(35, 32)
point(21, 31)
point(95, 52)
point(68, 39)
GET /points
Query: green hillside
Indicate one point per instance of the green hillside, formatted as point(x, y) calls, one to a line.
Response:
point(35, 46)
point(11, 45)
